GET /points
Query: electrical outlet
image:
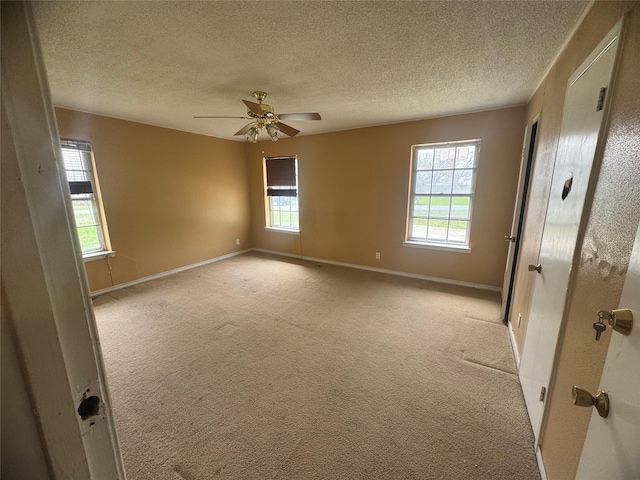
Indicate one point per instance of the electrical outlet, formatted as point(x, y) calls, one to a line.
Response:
point(519, 319)
point(237, 241)
point(377, 255)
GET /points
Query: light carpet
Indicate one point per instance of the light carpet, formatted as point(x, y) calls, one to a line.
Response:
point(262, 367)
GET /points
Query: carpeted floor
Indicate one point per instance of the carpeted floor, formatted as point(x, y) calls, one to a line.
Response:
point(261, 367)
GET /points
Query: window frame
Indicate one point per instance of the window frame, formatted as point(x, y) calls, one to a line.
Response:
point(270, 225)
point(447, 244)
point(94, 197)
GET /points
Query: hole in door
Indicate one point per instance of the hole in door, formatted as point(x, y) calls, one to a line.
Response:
point(89, 407)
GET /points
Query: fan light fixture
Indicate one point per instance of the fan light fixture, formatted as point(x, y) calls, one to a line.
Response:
point(273, 131)
point(252, 134)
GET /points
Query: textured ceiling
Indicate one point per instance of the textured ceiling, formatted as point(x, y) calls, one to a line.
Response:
point(357, 63)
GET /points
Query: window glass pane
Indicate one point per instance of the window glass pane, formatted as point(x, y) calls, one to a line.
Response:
point(85, 211)
point(425, 159)
point(442, 181)
point(442, 190)
point(439, 207)
point(460, 207)
point(444, 158)
point(423, 182)
point(418, 229)
point(437, 230)
point(285, 219)
point(458, 231)
point(294, 204)
point(295, 220)
point(420, 206)
point(89, 238)
point(76, 158)
point(462, 181)
point(465, 157)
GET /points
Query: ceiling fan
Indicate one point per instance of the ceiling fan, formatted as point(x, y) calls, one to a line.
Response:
point(264, 117)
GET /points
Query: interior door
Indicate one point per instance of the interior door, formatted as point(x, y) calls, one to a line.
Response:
point(612, 446)
point(581, 122)
point(514, 236)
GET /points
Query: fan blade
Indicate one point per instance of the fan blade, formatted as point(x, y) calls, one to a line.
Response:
point(287, 130)
point(299, 116)
point(217, 116)
point(244, 129)
point(253, 107)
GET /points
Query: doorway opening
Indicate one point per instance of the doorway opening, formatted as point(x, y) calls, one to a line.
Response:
point(524, 195)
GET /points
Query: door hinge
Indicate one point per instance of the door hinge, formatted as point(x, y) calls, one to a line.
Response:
point(543, 392)
point(601, 95)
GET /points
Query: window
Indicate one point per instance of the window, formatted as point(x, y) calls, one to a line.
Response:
point(78, 165)
point(281, 175)
point(441, 195)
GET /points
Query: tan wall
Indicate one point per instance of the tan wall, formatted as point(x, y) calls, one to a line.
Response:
point(171, 198)
point(353, 195)
point(22, 454)
point(608, 241)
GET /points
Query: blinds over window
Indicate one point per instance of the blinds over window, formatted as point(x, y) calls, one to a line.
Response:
point(77, 163)
point(281, 177)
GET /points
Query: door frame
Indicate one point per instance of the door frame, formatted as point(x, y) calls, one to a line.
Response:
point(52, 320)
point(529, 150)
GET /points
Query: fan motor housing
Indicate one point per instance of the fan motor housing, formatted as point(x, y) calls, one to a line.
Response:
point(267, 111)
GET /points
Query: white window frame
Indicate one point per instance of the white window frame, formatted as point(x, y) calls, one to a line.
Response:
point(272, 206)
point(81, 152)
point(448, 243)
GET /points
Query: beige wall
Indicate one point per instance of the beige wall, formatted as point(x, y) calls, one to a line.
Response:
point(353, 195)
point(613, 221)
point(22, 454)
point(171, 198)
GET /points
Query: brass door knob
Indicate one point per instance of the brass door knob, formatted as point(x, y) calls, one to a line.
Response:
point(582, 398)
point(620, 320)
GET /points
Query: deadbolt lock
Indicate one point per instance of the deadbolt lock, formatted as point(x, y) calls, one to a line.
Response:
point(620, 320)
point(583, 398)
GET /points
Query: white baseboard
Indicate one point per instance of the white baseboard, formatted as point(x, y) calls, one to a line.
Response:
point(543, 472)
point(514, 346)
point(165, 274)
point(310, 259)
point(383, 270)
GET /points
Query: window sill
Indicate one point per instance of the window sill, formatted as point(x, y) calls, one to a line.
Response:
point(90, 257)
point(282, 230)
point(437, 246)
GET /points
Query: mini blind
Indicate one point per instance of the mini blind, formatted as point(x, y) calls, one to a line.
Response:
point(281, 177)
point(77, 164)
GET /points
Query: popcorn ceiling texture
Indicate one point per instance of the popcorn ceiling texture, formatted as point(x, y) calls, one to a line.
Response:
point(357, 63)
